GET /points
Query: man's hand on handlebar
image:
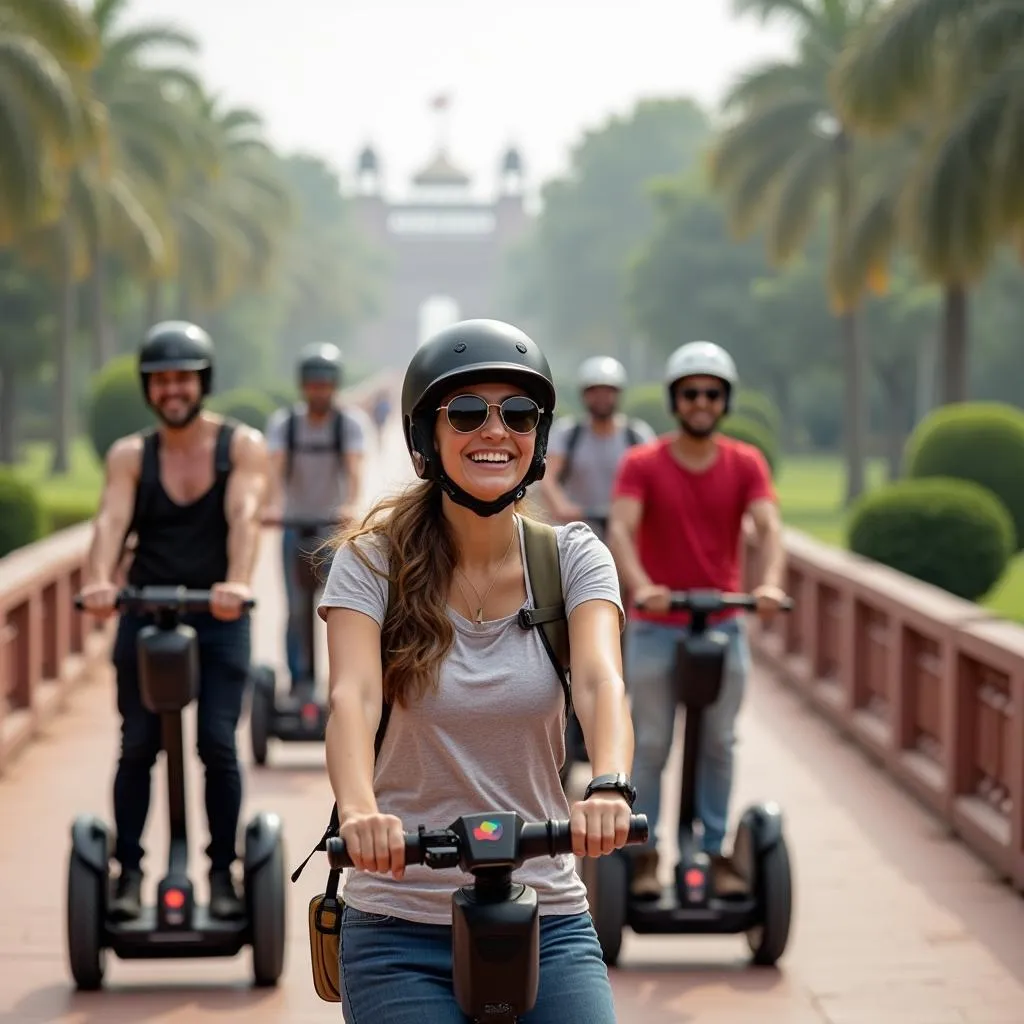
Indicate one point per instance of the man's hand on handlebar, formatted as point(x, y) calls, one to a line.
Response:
point(227, 600)
point(375, 842)
point(769, 601)
point(100, 599)
point(600, 824)
point(653, 597)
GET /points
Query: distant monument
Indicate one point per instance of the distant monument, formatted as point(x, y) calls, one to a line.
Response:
point(445, 249)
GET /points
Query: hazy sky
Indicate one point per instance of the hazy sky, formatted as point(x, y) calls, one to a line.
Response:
point(329, 74)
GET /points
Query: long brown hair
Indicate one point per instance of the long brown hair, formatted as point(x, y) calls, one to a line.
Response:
point(417, 633)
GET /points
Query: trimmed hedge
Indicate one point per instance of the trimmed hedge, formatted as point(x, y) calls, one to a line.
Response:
point(247, 405)
point(952, 533)
point(116, 405)
point(649, 402)
point(757, 406)
point(22, 519)
point(745, 429)
point(978, 441)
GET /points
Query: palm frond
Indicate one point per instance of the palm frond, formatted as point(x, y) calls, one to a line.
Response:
point(797, 198)
point(891, 66)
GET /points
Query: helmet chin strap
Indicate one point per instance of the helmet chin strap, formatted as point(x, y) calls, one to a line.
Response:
point(484, 509)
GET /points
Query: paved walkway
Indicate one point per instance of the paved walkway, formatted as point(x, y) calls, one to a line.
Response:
point(895, 923)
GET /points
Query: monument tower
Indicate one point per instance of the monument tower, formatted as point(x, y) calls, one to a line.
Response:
point(444, 249)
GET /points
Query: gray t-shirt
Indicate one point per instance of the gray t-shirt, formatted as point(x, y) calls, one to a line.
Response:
point(490, 738)
point(318, 482)
point(595, 459)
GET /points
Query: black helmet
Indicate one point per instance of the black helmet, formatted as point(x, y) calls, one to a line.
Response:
point(473, 352)
point(320, 362)
point(177, 345)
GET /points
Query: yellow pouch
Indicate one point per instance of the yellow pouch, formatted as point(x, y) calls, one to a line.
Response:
point(324, 942)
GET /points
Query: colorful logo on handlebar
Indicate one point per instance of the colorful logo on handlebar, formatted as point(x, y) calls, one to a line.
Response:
point(488, 830)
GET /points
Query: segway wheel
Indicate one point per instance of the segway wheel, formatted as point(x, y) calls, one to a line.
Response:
point(774, 882)
point(260, 712)
point(607, 881)
point(267, 909)
point(86, 910)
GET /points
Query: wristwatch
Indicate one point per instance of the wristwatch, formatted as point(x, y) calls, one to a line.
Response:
point(618, 783)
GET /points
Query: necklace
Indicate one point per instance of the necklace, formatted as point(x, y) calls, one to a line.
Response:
point(497, 572)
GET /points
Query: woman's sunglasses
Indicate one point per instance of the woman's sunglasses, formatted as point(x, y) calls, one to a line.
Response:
point(468, 413)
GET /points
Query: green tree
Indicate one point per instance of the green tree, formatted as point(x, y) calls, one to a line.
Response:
point(786, 154)
point(956, 63)
point(572, 272)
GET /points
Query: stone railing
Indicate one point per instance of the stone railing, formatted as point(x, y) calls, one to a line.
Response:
point(931, 686)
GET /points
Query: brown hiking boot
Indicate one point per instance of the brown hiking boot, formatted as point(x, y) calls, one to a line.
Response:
point(725, 879)
point(645, 884)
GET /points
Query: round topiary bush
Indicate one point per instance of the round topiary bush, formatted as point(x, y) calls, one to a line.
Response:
point(952, 533)
point(744, 429)
point(978, 441)
point(247, 405)
point(116, 404)
point(757, 406)
point(649, 402)
point(22, 519)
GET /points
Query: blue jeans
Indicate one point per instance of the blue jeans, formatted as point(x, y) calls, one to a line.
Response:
point(300, 660)
point(650, 663)
point(223, 673)
point(398, 972)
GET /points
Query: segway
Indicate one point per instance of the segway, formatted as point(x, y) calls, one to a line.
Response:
point(176, 927)
point(495, 921)
point(300, 716)
point(759, 855)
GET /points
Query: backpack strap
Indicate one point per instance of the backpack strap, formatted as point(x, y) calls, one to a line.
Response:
point(633, 435)
point(222, 449)
point(289, 441)
point(571, 441)
point(541, 544)
point(339, 435)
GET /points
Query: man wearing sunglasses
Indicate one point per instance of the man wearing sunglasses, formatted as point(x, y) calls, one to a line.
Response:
point(583, 455)
point(676, 522)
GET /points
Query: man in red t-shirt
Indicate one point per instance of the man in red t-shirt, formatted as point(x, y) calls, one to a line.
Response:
point(677, 515)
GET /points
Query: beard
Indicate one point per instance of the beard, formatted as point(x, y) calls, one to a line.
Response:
point(180, 420)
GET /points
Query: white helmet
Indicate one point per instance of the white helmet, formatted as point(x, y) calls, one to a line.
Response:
point(700, 358)
point(601, 371)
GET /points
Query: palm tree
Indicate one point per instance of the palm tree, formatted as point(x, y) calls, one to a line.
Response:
point(42, 42)
point(786, 155)
point(959, 63)
point(232, 212)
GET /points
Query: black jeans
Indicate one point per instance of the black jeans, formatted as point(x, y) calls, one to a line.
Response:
point(224, 652)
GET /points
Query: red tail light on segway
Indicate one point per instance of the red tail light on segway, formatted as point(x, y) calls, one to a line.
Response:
point(174, 899)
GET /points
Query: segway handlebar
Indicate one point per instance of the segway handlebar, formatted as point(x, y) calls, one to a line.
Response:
point(482, 842)
point(707, 602)
point(163, 599)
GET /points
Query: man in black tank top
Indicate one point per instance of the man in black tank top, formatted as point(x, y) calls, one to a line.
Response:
point(189, 493)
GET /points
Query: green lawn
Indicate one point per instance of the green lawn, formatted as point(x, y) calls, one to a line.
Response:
point(811, 493)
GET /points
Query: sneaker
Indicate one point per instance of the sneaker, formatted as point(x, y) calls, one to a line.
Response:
point(126, 904)
point(225, 903)
point(725, 879)
point(644, 884)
